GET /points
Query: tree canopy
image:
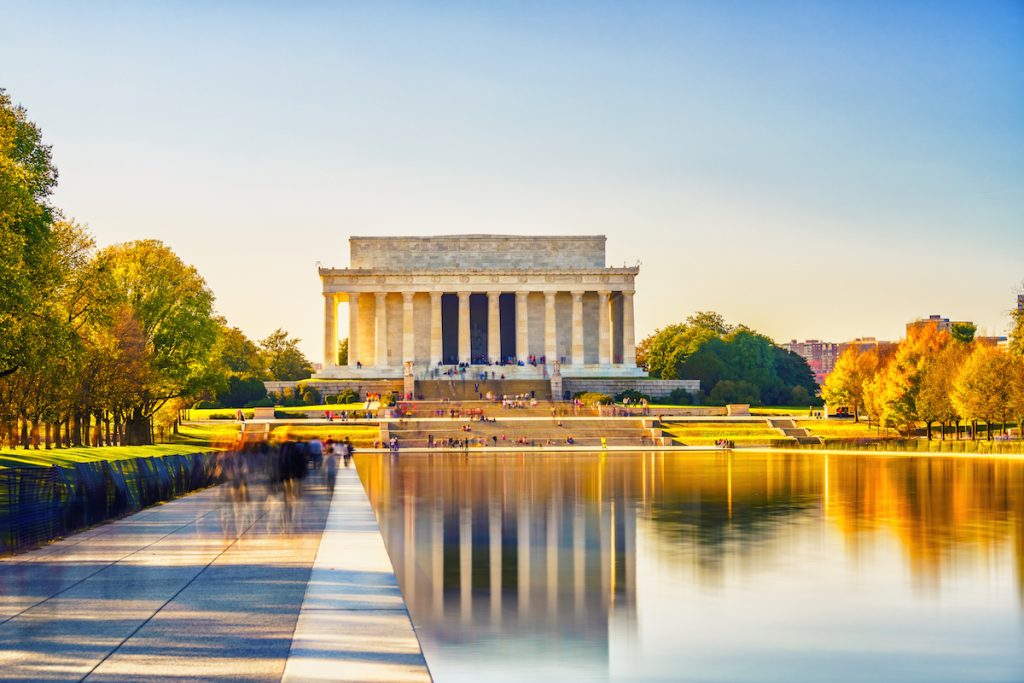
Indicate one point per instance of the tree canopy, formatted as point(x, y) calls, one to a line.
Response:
point(706, 348)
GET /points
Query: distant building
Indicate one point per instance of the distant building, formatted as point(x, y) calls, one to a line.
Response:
point(935, 321)
point(998, 342)
point(863, 344)
point(820, 356)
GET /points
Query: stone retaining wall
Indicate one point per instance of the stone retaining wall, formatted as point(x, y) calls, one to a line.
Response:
point(655, 388)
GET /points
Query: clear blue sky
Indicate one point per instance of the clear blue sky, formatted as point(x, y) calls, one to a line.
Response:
point(811, 169)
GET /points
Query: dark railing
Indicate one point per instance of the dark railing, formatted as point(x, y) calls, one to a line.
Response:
point(38, 504)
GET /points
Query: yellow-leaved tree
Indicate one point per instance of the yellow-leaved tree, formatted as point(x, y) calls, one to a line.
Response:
point(844, 386)
point(983, 388)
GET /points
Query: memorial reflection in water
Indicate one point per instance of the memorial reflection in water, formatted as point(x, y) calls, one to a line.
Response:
point(539, 565)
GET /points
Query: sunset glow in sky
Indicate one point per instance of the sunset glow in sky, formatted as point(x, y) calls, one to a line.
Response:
point(815, 170)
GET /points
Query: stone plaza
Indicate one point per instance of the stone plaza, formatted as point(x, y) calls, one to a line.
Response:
point(531, 305)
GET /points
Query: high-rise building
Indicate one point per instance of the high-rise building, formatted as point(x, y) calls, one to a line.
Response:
point(820, 355)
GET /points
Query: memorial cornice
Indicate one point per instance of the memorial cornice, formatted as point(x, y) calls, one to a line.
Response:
point(483, 280)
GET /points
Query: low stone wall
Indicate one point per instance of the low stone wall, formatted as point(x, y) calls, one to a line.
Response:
point(360, 386)
point(655, 388)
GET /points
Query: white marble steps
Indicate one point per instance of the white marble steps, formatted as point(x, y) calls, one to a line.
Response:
point(353, 624)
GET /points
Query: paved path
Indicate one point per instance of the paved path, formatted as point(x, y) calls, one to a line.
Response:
point(195, 589)
point(354, 625)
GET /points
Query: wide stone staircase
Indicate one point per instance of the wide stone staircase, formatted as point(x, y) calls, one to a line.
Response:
point(510, 432)
point(789, 428)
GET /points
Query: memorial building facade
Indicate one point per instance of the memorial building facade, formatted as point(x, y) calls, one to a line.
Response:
point(526, 306)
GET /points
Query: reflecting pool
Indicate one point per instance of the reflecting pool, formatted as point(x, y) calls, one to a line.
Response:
point(707, 566)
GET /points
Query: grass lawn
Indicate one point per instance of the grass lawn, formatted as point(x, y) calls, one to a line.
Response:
point(361, 435)
point(781, 410)
point(840, 429)
point(705, 433)
point(67, 457)
point(229, 413)
point(209, 434)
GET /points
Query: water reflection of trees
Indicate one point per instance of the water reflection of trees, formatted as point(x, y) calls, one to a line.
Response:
point(547, 543)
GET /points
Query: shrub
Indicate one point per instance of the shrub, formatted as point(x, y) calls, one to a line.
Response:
point(348, 396)
point(682, 397)
point(206, 405)
point(262, 403)
point(331, 398)
point(281, 415)
point(633, 395)
point(592, 398)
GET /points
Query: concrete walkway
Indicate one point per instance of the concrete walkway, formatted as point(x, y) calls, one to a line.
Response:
point(201, 588)
point(354, 625)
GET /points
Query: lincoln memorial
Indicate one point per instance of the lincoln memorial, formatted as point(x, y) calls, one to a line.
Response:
point(527, 306)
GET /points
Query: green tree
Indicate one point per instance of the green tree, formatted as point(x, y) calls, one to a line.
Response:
point(729, 391)
point(283, 359)
point(343, 351)
point(240, 355)
point(963, 332)
point(27, 177)
point(173, 308)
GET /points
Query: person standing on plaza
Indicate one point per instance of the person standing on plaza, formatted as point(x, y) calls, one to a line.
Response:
point(330, 465)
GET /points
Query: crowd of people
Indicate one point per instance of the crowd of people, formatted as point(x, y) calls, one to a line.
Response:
point(272, 475)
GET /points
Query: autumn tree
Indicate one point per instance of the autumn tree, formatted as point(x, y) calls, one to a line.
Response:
point(982, 388)
point(900, 383)
point(1017, 328)
point(845, 385)
point(934, 402)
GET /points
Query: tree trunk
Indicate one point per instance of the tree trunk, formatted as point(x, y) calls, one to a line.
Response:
point(137, 429)
point(97, 429)
point(35, 434)
point(47, 432)
point(106, 427)
point(24, 433)
point(75, 427)
point(928, 429)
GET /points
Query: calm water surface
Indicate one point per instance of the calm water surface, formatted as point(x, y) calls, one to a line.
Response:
point(708, 567)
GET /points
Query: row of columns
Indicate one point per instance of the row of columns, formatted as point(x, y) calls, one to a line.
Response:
point(493, 324)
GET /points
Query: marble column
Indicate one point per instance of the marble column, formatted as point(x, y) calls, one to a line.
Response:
point(381, 333)
point(493, 327)
point(408, 333)
point(628, 338)
point(465, 350)
point(522, 327)
point(604, 336)
point(550, 329)
point(353, 329)
point(577, 328)
point(330, 330)
point(435, 329)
